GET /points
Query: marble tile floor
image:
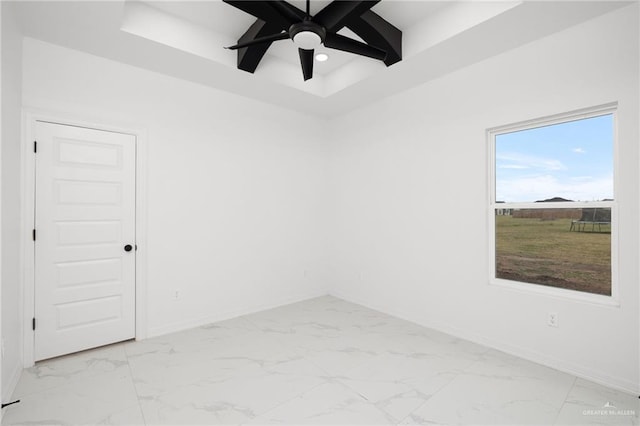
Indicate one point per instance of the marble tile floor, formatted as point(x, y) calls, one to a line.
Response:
point(322, 361)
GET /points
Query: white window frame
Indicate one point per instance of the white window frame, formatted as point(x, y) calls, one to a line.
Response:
point(600, 110)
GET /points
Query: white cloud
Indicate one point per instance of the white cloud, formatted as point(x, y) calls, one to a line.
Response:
point(529, 162)
point(579, 150)
point(581, 178)
point(513, 166)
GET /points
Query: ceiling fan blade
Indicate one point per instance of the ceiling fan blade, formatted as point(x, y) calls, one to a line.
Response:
point(249, 57)
point(374, 30)
point(339, 12)
point(260, 40)
point(306, 60)
point(339, 42)
point(261, 10)
point(289, 12)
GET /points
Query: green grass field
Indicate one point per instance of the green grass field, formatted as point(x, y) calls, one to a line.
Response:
point(546, 252)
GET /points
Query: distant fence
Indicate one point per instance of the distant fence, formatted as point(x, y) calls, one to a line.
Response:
point(548, 214)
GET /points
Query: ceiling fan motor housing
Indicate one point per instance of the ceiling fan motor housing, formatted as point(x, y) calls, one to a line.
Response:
point(307, 34)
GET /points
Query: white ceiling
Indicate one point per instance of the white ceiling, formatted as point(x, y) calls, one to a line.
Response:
point(219, 17)
point(185, 39)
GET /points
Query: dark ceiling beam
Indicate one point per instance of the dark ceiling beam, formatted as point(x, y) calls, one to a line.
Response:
point(261, 10)
point(275, 16)
point(338, 13)
point(288, 11)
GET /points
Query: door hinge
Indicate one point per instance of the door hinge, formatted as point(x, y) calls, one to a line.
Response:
point(34, 235)
point(33, 324)
point(35, 146)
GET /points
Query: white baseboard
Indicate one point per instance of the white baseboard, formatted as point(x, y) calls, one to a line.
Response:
point(619, 383)
point(221, 316)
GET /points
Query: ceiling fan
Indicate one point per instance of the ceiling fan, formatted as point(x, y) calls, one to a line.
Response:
point(279, 20)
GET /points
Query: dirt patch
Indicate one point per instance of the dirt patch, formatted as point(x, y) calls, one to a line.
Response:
point(555, 273)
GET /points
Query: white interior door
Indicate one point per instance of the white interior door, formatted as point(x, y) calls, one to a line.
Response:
point(85, 216)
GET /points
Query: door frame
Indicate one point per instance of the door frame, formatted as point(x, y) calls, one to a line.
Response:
point(27, 188)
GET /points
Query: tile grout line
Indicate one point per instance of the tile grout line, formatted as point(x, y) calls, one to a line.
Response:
point(432, 395)
point(288, 334)
point(564, 402)
point(302, 356)
point(462, 371)
point(133, 382)
point(288, 400)
point(329, 377)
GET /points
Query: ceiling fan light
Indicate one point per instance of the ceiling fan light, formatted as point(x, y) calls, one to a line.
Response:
point(322, 57)
point(307, 40)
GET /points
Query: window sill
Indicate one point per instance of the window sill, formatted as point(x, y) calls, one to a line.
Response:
point(555, 292)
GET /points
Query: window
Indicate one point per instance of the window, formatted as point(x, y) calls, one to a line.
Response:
point(552, 204)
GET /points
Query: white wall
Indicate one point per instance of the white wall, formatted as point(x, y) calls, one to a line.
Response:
point(10, 147)
point(409, 177)
point(234, 219)
point(240, 201)
point(1, 354)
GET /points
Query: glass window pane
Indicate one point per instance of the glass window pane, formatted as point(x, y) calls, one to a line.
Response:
point(567, 161)
point(566, 248)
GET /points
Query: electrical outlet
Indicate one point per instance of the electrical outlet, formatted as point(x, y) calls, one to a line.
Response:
point(552, 319)
point(176, 295)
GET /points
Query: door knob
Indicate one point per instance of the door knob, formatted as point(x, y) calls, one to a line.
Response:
point(128, 247)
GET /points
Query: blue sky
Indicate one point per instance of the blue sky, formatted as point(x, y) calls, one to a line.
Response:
point(572, 160)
